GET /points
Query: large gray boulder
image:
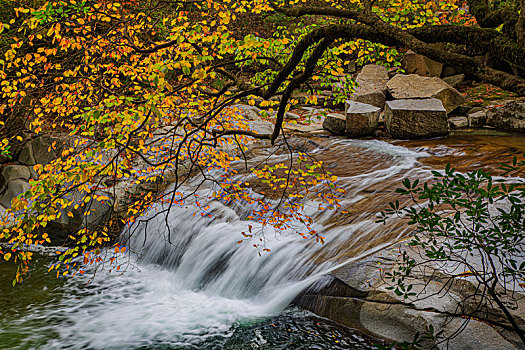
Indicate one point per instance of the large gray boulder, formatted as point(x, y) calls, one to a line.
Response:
point(335, 123)
point(91, 215)
point(358, 295)
point(414, 86)
point(13, 189)
point(375, 75)
point(413, 119)
point(15, 172)
point(414, 63)
point(361, 119)
point(41, 150)
point(366, 93)
point(371, 86)
point(510, 117)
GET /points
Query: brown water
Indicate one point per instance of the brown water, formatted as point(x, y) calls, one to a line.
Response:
point(371, 170)
point(471, 149)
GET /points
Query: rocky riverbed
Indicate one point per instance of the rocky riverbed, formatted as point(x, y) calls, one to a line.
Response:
point(381, 137)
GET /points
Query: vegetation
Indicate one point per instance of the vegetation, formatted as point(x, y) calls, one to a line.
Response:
point(111, 75)
point(467, 226)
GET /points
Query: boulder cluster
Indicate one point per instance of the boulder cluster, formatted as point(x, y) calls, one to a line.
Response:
point(418, 104)
point(411, 106)
point(17, 172)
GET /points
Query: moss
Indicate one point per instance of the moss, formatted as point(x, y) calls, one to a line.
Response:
point(485, 94)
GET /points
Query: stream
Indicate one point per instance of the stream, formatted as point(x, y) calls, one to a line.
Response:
point(188, 285)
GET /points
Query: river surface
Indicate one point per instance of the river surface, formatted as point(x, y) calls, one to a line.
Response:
point(189, 285)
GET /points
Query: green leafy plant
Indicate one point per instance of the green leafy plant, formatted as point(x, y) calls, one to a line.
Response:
point(472, 223)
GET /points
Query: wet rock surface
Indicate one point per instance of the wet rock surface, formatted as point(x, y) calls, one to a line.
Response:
point(357, 296)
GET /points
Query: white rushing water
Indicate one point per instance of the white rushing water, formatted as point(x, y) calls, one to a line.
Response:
point(203, 282)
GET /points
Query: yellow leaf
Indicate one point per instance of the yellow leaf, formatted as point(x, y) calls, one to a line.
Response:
point(7, 256)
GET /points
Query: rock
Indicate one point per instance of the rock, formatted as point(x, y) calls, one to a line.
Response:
point(475, 109)
point(366, 93)
point(434, 67)
point(40, 150)
point(6, 221)
point(98, 211)
point(291, 116)
point(414, 86)
point(382, 117)
point(510, 117)
point(14, 188)
point(477, 119)
point(460, 111)
point(458, 122)
point(15, 172)
point(455, 80)
point(412, 119)
point(371, 87)
point(335, 123)
point(475, 335)
point(89, 215)
point(258, 101)
point(34, 175)
point(361, 119)
point(357, 295)
point(414, 63)
point(249, 112)
point(26, 156)
point(375, 75)
point(4, 158)
point(448, 71)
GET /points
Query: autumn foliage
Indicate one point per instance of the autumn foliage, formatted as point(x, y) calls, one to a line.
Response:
point(106, 77)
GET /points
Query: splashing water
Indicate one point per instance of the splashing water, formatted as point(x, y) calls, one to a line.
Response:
point(190, 285)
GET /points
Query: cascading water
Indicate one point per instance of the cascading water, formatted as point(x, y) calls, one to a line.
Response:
point(190, 285)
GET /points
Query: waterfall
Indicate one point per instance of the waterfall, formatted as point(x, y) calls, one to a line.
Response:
point(188, 279)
